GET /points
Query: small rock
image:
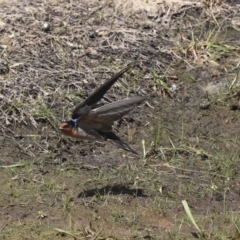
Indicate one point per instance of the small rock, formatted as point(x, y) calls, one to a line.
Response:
point(46, 27)
point(204, 105)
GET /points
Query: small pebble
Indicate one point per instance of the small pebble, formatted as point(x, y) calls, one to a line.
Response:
point(204, 105)
point(46, 27)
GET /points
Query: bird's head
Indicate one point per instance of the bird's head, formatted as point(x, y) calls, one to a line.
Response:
point(68, 128)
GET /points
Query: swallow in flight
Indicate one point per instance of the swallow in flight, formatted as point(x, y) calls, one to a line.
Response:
point(91, 122)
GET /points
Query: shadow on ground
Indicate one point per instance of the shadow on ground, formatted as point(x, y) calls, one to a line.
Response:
point(113, 190)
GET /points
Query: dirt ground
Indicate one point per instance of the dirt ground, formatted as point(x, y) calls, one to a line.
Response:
point(186, 57)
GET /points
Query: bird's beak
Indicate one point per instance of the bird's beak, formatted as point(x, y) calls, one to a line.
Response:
point(62, 125)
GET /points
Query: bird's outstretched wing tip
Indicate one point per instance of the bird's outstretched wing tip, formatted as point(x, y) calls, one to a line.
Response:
point(124, 146)
point(96, 96)
point(134, 152)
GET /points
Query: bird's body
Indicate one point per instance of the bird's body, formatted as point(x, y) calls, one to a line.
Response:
point(90, 122)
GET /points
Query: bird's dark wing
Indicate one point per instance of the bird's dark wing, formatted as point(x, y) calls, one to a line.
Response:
point(89, 103)
point(110, 136)
point(102, 118)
